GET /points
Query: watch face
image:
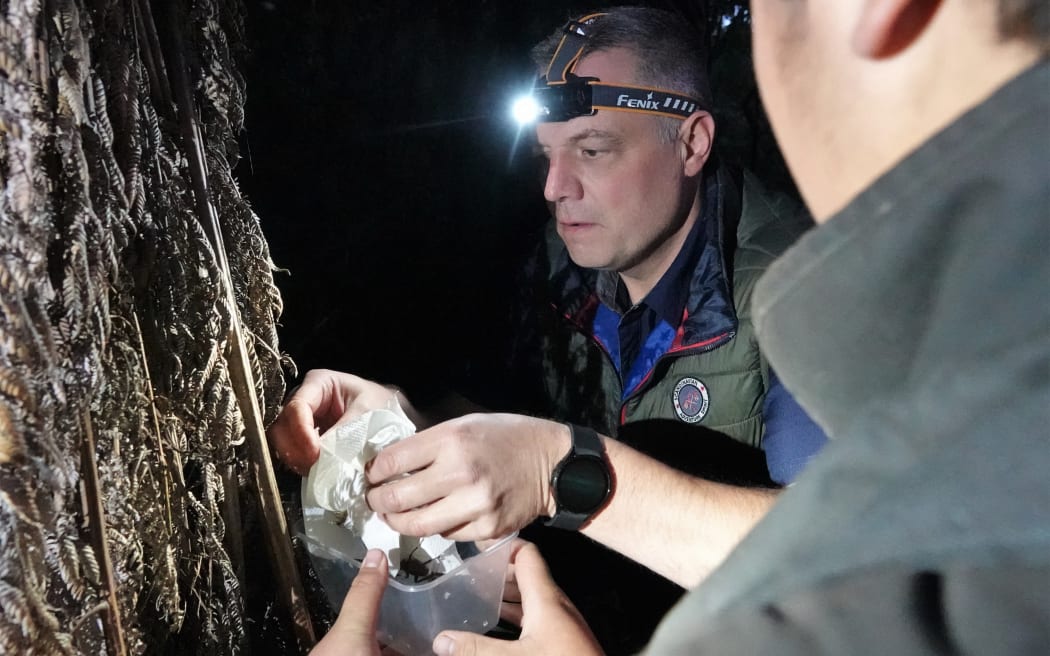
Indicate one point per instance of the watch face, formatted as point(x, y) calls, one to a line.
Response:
point(583, 485)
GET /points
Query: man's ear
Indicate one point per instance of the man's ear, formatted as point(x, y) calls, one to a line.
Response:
point(886, 27)
point(698, 135)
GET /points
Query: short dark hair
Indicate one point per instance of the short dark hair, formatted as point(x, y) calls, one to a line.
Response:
point(1028, 20)
point(670, 52)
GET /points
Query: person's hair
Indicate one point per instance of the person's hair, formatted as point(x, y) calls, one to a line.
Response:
point(1028, 20)
point(669, 52)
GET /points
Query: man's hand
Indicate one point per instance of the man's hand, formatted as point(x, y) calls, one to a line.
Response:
point(354, 631)
point(325, 398)
point(473, 478)
point(550, 623)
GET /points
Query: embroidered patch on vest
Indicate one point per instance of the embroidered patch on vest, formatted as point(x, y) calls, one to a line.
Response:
point(691, 400)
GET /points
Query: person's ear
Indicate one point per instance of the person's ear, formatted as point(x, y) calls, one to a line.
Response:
point(697, 137)
point(886, 27)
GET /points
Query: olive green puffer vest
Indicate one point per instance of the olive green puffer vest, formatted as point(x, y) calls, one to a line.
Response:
point(717, 378)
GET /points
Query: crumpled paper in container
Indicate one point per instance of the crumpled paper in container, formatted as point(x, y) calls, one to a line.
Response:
point(338, 484)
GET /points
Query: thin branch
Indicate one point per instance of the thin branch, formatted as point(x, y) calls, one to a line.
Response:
point(156, 425)
point(97, 518)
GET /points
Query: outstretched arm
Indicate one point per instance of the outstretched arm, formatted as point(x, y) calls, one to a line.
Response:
point(485, 475)
point(680, 526)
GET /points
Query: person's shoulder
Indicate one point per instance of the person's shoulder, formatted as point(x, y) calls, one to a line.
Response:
point(771, 220)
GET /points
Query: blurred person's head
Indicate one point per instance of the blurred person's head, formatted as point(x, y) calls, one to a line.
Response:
point(852, 86)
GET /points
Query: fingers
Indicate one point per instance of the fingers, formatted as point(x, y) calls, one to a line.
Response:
point(550, 623)
point(361, 605)
point(325, 393)
point(354, 631)
point(457, 512)
point(462, 643)
point(533, 579)
point(411, 454)
point(511, 612)
point(511, 593)
point(294, 438)
point(471, 478)
point(314, 403)
point(455, 517)
point(417, 504)
point(324, 399)
point(511, 609)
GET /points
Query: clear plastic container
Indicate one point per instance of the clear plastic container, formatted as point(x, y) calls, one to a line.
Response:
point(466, 598)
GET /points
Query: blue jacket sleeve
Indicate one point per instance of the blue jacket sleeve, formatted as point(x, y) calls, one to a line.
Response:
point(791, 437)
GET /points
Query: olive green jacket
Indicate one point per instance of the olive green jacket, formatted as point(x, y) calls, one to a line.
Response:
point(714, 357)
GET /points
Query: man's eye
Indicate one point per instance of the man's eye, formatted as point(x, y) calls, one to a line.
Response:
point(590, 153)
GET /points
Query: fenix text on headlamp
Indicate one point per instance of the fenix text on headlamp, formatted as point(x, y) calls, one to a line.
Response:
point(560, 95)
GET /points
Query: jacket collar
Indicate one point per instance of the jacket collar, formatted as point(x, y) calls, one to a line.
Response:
point(899, 283)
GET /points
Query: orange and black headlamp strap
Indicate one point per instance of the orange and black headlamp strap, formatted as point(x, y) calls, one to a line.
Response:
point(569, 49)
point(622, 97)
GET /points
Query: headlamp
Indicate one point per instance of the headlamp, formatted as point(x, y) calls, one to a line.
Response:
point(560, 95)
point(560, 103)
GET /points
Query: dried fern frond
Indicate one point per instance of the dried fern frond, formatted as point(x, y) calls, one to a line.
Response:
point(114, 334)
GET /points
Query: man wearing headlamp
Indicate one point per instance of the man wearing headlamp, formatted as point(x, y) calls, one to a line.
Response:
point(644, 329)
point(649, 275)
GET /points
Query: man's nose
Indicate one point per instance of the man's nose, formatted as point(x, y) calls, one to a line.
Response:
point(562, 182)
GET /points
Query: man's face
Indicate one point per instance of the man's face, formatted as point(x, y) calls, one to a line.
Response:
point(618, 191)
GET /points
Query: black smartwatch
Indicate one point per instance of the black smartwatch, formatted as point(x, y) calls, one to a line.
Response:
point(581, 482)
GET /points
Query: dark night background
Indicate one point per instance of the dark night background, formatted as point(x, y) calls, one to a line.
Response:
point(380, 157)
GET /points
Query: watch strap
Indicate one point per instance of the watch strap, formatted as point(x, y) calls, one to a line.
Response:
point(567, 520)
point(584, 442)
